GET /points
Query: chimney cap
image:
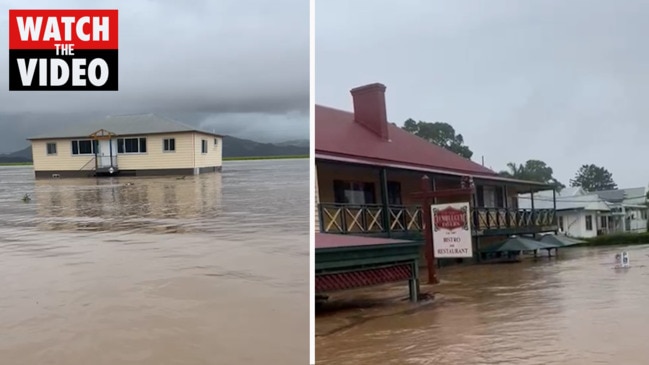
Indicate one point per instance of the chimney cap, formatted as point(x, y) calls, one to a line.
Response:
point(370, 87)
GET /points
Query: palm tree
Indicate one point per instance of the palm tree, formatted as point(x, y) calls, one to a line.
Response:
point(532, 170)
point(515, 171)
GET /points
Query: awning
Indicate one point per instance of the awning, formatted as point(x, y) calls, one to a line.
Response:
point(328, 240)
point(515, 244)
point(559, 240)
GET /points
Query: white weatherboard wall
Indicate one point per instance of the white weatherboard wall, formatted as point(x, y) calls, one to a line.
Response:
point(637, 223)
point(574, 223)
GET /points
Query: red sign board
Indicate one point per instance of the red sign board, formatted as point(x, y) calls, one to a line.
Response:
point(450, 218)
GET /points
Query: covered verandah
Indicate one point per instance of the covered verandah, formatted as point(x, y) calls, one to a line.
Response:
point(356, 197)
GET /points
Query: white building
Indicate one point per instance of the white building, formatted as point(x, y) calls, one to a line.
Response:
point(629, 206)
point(583, 215)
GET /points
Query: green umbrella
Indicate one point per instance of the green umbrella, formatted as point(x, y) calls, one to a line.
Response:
point(515, 243)
point(559, 240)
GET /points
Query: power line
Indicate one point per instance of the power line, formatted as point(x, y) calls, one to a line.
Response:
point(559, 199)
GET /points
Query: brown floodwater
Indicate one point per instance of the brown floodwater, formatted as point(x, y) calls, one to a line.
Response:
point(574, 310)
point(212, 269)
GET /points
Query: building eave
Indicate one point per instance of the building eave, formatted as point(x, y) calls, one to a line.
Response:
point(127, 135)
point(369, 161)
point(581, 209)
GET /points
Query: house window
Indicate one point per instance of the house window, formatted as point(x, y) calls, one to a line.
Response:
point(512, 202)
point(394, 193)
point(203, 146)
point(589, 222)
point(643, 214)
point(479, 196)
point(84, 147)
point(351, 192)
point(216, 141)
point(500, 197)
point(603, 220)
point(561, 224)
point(131, 145)
point(487, 196)
point(169, 145)
point(51, 148)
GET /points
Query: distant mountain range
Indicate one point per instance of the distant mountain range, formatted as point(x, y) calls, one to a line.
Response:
point(24, 155)
point(232, 147)
point(237, 147)
point(295, 143)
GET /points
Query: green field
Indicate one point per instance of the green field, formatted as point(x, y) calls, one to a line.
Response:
point(263, 158)
point(16, 163)
point(618, 239)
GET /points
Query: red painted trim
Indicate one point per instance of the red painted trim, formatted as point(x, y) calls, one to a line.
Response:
point(356, 279)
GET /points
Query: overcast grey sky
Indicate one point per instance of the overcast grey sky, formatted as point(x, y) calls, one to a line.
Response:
point(565, 82)
point(240, 67)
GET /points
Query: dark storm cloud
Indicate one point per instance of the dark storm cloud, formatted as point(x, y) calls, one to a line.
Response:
point(207, 58)
point(560, 81)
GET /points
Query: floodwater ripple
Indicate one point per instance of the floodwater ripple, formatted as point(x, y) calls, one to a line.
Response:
point(211, 269)
point(575, 310)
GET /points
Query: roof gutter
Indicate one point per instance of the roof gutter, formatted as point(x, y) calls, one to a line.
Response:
point(126, 135)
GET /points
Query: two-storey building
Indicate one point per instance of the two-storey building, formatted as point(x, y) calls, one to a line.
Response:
point(367, 169)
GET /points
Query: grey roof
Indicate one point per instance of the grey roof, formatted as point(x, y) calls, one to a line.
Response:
point(626, 196)
point(585, 202)
point(572, 191)
point(571, 199)
point(611, 195)
point(140, 124)
point(635, 196)
point(576, 191)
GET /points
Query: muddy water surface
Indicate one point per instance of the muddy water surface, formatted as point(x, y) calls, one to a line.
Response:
point(576, 310)
point(211, 269)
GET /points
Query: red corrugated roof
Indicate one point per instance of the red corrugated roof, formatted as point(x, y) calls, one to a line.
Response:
point(337, 134)
point(328, 240)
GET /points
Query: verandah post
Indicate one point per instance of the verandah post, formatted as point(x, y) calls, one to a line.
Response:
point(533, 215)
point(428, 230)
point(507, 213)
point(383, 179)
point(554, 206)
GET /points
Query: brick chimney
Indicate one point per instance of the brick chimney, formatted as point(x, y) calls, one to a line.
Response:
point(369, 109)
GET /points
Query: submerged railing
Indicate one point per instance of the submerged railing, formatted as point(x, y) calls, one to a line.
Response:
point(89, 165)
point(371, 218)
point(106, 161)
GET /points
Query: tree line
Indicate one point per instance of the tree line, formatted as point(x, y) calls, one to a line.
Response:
point(589, 177)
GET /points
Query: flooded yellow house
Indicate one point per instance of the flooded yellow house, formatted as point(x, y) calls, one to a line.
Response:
point(131, 145)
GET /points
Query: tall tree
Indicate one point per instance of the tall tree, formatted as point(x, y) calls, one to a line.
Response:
point(532, 170)
point(593, 178)
point(441, 134)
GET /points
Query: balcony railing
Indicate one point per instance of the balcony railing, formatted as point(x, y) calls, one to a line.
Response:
point(346, 218)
